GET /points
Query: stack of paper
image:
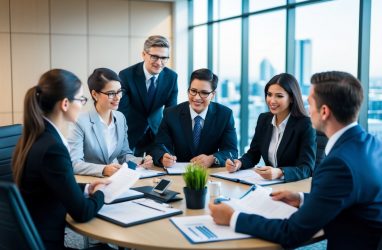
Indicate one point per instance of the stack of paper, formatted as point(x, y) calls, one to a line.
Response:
point(177, 168)
point(247, 176)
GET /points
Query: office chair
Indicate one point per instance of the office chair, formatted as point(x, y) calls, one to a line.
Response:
point(321, 141)
point(9, 136)
point(17, 230)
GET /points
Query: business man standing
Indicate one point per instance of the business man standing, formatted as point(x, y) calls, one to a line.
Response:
point(199, 130)
point(149, 86)
point(346, 193)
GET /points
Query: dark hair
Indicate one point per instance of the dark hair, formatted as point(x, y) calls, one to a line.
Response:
point(40, 100)
point(99, 78)
point(156, 41)
point(341, 92)
point(206, 75)
point(290, 85)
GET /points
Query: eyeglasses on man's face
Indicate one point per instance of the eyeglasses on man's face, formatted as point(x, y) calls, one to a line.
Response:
point(82, 99)
point(202, 93)
point(155, 58)
point(113, 94)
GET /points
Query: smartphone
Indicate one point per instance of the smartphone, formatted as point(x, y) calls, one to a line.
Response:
point(162, 186)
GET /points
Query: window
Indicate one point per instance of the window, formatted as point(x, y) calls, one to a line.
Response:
point(255, 5)
point(226, 8)
point(227, 65)
point(200, 47)
point(267, 35)
point(200, 11)
point(375, 82)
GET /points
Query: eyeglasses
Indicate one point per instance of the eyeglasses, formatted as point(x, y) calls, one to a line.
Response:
point(155, 58)
point(202, 94)
point(112, 94)
point(82, 99)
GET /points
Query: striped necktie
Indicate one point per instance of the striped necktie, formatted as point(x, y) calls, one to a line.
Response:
point(197, 130)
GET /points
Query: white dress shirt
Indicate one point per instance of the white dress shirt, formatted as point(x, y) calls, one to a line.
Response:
point(194, 114)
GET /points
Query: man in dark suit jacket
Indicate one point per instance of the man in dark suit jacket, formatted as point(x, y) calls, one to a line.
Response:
point(346, 192)
point(199, 130)
point(149, 87)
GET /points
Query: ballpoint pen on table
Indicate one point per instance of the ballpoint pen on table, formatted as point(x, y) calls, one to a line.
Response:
point(252, 188)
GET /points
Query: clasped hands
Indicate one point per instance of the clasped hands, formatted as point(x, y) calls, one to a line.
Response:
point(203, 160)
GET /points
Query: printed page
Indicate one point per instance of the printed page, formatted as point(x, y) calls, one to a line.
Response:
point(259, 202)
point(146, 173)
point(249, 176)
point(202, 228)
point(135, 210)
point(121, 181)
point(177, 168)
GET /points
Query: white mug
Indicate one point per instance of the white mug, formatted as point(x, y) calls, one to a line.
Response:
point(214, 187)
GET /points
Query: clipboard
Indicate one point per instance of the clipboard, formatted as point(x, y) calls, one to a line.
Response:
point(166, 197)
point(248, 177)
point(136, 212)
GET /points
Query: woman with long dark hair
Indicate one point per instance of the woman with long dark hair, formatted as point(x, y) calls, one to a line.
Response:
point(284, 136)
point(41, 163)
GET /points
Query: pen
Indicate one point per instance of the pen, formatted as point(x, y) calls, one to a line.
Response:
point(143, 158)
point(231, 157)
point(248, 191)
point(144, 205)
point(167, 151)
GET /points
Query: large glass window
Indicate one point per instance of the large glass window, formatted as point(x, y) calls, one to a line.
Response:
point(326, 39)
point(255, 5)
point(226, 8)
point(200, 47)
point(200, 11)
point(227, 65)
point(267, 36)
point(375, 83)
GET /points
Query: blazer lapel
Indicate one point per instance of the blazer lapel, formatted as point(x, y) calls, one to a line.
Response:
point(97, 129)
point(268, 136)
point(288, 133)
point(207, 127)
point(185, 121)
point(120, 134)
point(140, 84)
point(160, 90)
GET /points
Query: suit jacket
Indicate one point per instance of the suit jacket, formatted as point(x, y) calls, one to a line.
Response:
point(134, 104)
point(218, 136)
point(296, 153)
point(88, 148)
point(345, 199)
point(50, 190)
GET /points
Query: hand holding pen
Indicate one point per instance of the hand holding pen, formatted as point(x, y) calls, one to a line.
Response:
point(147, 161)
point(167, 160)
point(231, 164)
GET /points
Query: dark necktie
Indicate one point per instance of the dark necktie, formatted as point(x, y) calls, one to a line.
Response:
point(151, 92)
point(197, 130)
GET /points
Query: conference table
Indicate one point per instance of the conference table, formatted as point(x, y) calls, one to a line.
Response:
point(162, 234)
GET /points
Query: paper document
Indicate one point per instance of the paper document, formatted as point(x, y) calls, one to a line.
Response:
point(121, 181)
point(199, 229)
point(136, 212)
point(130, 194)
point(259, 202)
point(177, 168)
point(247, 176)
point(147, 173)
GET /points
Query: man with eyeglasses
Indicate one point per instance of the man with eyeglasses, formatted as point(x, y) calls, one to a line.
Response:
point(199, 130)
point(149, 87)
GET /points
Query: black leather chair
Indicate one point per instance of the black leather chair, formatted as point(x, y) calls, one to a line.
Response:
point(17, 230)
point(321, 141)
point(9, 135)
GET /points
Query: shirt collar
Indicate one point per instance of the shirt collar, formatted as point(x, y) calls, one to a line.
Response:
point(147, 74)
point(63, 139)
point(194, 114)
point(282, 125)
point(334, 138)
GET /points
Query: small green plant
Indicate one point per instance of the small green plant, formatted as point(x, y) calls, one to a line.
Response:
point(195, 177)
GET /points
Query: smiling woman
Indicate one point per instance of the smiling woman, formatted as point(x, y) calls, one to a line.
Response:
point(98, 141)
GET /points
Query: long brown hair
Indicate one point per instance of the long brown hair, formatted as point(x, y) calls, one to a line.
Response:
point(53, 86)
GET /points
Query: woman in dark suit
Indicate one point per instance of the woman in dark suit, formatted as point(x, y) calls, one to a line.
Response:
point(42, 167)
point(284, 137)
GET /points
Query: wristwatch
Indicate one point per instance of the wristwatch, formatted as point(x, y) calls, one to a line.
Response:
point(216, 161)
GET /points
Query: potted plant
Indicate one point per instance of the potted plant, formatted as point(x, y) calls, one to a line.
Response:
point(195, 191)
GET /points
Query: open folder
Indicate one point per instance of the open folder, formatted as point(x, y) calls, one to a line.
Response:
point(135, 212)
point(247, 176)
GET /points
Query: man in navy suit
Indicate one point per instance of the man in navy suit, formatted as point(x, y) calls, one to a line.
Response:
point(346, 193)
point(199, 130)
point(149, 87)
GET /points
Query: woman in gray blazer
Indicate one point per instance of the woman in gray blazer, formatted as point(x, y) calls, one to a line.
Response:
point(98, 142)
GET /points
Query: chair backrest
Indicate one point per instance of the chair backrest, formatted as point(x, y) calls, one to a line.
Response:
point(321, 141)
point(9, 136)
point(17, 230)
